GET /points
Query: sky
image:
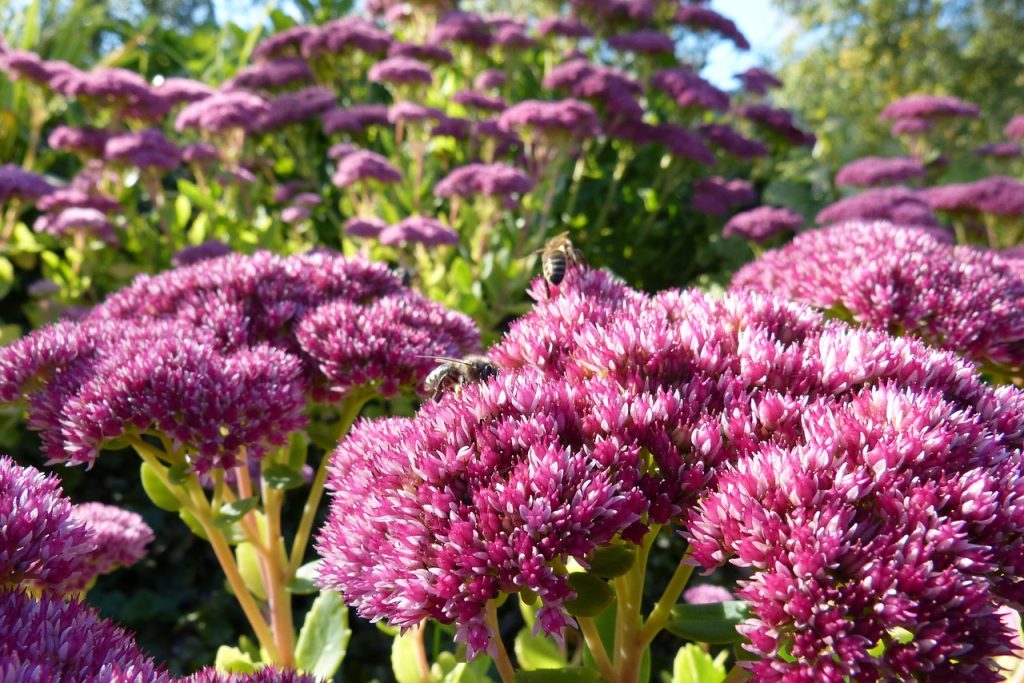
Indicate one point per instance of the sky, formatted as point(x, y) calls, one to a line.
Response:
point(762, 24)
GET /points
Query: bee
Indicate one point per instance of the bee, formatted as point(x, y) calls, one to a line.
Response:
point(556, 257)
point(453, 373)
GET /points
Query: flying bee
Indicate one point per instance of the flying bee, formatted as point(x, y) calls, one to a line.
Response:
point(454, 373)
point(556, 257)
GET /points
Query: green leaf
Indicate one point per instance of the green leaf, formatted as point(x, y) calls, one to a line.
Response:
point(613, 560)
point(192, 523)
point(9, 333)
point(537, 652)
point(249, 567)
point(304, 582)
point(693, 665)
point(232, 512)
point(177, 474)
point(710, 623)
point(182, 211)
point(6, 277)
point(593, 595)
point(154, 487)
point(324, 637)
point(567, 675)
point(196, 195)
point(233, 660)
point(404, 659)
point(282, 477)
point(298, 450)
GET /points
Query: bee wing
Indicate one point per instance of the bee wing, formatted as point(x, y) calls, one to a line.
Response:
point(445, 359)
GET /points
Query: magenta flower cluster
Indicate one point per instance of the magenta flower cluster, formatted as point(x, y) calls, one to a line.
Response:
point(762, 223)
point(873, 171)
point(226, 353)
point(903, 280)
point(898, 205)
point(851, 471)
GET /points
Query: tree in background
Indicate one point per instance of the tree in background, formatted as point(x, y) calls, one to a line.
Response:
point(850, 58)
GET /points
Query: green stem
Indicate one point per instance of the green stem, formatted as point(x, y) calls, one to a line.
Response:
point(350, 411)
point(629, 589)
point(663, 608)
point(498, 651)
point(596, 645)
point(189, 499)
point(606, 207)
point(276, 561)
point(418, 634)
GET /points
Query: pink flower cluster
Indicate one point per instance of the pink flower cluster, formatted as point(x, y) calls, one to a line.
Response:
point(898, 205)
point(903, 280)
point(872, 171)
point(996, 195)
point(848, 469)
point(233, 349)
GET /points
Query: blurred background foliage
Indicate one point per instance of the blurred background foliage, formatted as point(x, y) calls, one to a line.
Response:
point(847, 59)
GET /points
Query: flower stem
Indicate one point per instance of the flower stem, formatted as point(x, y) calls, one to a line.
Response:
point(629, 589)
point(190, 501)
point(350, 411)
point(596, 645)
point(498, 651)
point(663, 608)
point(226, 558)
point(418, 634)
point(276, 562)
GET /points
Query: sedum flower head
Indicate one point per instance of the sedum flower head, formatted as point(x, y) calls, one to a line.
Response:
point(51, 639)
point(356, 118)
point(121, 537)
point(80, 140)
point(564, 27)
point(294, 107)
point(362, 166)
point(424, 230)
point(269, 674)
point(272, 74)
point(873, 171)
point(646, 41)
point(229, 357)
point(16, 183)
point(401, 71)
point(758, 81)
point(287, 43)
point(489, 180)
point(732, 142)
point(763, 223)
point(928, 107)
point(1015, 128)
point(345, 35)
point(221, 111)
point(706, 19)
point(147, 149)
point(77, 219)
point(560, 118)
point(778, 120)
point(429, 52)
point(899, 205)
point(44, 544)
point(613, 410)
point(688, 89)
point(997, 195)
point(903, 279)
point(716, 196)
